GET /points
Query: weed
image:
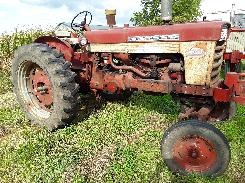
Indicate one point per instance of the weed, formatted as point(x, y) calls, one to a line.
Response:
point(9, 43)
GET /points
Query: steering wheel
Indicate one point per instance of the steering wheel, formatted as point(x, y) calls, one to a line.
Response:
point(84, 22)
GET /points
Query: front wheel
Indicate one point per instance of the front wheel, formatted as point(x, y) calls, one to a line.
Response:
point(45, 85)
point(195, 147)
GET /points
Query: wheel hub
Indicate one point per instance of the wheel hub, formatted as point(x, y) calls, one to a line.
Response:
point(41, 87)
point(194, 154)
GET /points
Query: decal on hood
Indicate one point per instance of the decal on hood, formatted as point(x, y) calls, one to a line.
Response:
point(167, 37)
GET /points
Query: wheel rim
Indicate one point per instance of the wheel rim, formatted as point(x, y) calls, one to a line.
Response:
point(36, 89)
point(194, 154)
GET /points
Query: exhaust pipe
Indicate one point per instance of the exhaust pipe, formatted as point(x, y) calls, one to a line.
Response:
point(166, 10)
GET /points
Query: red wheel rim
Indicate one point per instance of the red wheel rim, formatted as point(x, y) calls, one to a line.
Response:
point(194, 154)
point(40, 87)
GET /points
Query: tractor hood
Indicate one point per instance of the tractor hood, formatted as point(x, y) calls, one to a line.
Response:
point(198, 31)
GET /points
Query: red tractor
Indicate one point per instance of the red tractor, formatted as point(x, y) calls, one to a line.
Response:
point(184, 60)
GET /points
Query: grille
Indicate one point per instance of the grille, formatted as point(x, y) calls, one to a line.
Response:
point(236, 41)
point(217, 63)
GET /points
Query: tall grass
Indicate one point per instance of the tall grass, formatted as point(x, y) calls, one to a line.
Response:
point(9, 43)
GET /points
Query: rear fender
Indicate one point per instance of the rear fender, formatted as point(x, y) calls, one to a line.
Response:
point(58, 44)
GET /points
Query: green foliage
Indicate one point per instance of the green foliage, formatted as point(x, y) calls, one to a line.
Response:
point(9, 43)
point(183, 11)
point(5, 83)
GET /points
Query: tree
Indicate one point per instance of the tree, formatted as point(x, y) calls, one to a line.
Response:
point(183, 11)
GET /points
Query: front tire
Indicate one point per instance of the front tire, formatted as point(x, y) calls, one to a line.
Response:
point(195, 147)
point(44, 85)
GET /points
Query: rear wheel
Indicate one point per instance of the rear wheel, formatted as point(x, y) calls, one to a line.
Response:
point(45, 85)
point(195, 147)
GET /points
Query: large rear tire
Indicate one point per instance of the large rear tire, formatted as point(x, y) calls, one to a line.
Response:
point(195, 147)
point(44, 85)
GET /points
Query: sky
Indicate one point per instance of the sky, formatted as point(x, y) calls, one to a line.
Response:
point(211, 6)
point(23, 14)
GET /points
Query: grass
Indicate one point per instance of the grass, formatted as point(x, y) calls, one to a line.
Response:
point(117, 142)
point(5, 83)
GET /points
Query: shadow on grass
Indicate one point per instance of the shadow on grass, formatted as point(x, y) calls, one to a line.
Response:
point(89, 104)
point(163, 104)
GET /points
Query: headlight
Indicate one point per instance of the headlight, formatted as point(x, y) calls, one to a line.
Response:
point(83, 41)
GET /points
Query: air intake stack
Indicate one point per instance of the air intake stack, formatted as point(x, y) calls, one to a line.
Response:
point(166, 10)
point(111, 17)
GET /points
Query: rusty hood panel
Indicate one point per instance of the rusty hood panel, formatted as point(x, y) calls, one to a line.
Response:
point(198, 31)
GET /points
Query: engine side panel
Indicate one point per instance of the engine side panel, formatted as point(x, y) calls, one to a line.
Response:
point(199, 57)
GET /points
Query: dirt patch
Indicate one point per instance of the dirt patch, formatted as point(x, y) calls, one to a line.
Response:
point(93, 168)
